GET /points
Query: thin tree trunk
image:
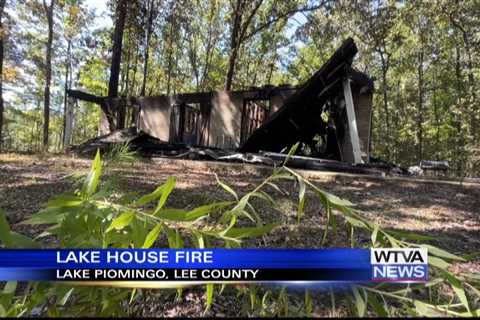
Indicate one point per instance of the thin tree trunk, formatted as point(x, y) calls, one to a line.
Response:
point(147, 46)
point(459, 141)
point(125, 68)
point(234, 44)
point(134, 76)
point(385, 66)
point(437, 118)
point(48, 72)
point(471, 76)
point(117, 48)
point(170, 57)
point(2, 7)
point(420, 106)
point(126, 75)
point(66, 126)
point(208, 50)
point(471, 82)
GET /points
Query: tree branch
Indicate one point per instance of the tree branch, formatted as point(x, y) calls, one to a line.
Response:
point(284, 15)
point(244, 27)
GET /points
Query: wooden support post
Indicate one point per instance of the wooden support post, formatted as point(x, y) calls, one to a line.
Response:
point(67, 137)
point(352, 122)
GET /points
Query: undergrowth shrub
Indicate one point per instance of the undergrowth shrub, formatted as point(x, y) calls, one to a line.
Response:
point(91, 217)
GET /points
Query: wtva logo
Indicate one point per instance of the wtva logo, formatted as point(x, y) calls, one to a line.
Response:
point(399, 264)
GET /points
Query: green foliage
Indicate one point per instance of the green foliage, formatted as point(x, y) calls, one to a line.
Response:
point(422, 55)
point(426, 78)
point(120, 153)
point(89, 217)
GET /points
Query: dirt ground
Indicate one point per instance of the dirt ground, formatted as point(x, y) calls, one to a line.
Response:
point(446, 209)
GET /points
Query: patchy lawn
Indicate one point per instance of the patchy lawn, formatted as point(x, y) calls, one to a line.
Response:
point(448, 210)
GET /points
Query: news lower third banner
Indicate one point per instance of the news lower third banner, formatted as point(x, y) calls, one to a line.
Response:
point(216, 265)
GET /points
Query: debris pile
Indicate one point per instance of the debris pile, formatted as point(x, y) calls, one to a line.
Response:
point(151, 147)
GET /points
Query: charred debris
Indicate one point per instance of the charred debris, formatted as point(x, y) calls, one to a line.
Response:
point(330, 115)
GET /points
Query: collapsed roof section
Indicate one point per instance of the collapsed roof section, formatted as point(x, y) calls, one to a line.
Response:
point(337, 90)
point(330, 114)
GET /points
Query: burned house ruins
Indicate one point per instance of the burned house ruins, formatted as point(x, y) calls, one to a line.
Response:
point(330, 114)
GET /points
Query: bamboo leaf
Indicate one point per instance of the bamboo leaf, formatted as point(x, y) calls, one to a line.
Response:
point(10, 287)
point(337, 201)
point(240, 206)
point(274, 186)
point(47, 216)
point(65, 201)
point(226, 187)
point(233, 221)
point(441, 253)
point(182, 215)
point(199, 239)
point(91, 182)
point(258, 219)
point(377, 306)
point(248, 215)
point(209, 294)
point(359, 302)
point(253, 296)
point(150, 197)
point(132, 296)
point(427, 310)
point(473, 313)
point(121, 221)
point(291, 152)
point(138, 233)
point(264, 196)
point(174, 239)
point(439, 263)
point(308, 303)
point(152, 236)
point(301, 199)
point(410, 235)
point(168, 187)
point(392, 240)
point(457, 286)
point(374, 234)
point(249, 232)
point(356, 222)
point(65, 298)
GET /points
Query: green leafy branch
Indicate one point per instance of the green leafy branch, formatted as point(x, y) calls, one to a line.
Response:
point(90, 218)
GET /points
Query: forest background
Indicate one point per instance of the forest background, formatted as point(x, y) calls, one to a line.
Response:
point(422, 54)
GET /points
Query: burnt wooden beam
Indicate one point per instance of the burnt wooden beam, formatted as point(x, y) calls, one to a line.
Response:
point(310, 163)
point(80, 95)
point(352, 122)
point(304, 106)
point(107, 105)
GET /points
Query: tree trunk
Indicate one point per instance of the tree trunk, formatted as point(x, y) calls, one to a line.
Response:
point(67, 120)
point(420, 106)
point(471, 76)
point(472, 86)
point(231, 69)
point(385, 66)
point(234, 44)
point(123, 82)
point(2, 6)
point(147, 46)
point(459, 140)
point(48, 73)
point(117, 48)
point(169, 65)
